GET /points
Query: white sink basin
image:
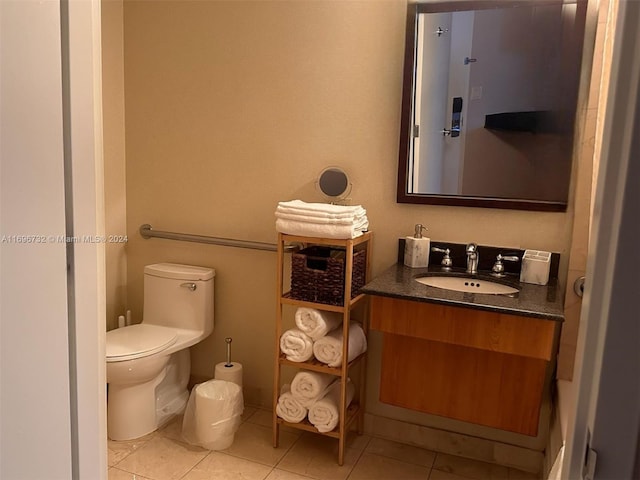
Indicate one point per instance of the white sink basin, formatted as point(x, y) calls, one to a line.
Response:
point(467, 284)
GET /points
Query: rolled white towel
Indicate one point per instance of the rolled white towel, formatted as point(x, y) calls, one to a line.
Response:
point(316, 323)
point(305, 229)
point(288, 408)
point(328, 349)
point(307, 387)
point(325, 414)
point(296, 345)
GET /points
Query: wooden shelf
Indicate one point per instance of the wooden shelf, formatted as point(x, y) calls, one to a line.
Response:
point(365, 237)
point(288, 300)
point(318, 366)
point(355, 411)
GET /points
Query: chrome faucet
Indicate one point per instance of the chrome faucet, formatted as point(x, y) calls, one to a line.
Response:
point(472, 258)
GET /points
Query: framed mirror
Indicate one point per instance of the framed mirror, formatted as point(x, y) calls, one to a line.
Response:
point(489, 103)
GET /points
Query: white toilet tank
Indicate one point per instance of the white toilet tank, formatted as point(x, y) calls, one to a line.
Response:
point(179, 296)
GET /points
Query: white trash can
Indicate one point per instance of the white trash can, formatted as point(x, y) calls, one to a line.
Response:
point(212, 416)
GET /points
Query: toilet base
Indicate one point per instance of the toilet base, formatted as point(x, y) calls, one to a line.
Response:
point(135, 410)
point(172, 394)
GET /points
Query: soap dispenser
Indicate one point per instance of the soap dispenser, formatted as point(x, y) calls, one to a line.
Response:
point(416, 249)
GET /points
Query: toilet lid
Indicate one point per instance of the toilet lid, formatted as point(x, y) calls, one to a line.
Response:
point(135, 341)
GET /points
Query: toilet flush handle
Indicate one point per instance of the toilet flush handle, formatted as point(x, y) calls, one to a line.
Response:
point(189, 285)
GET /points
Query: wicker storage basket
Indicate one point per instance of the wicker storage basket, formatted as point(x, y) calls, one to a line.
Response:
point(317, 274)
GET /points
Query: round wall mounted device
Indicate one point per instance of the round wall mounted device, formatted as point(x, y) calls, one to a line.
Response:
point(334, 183)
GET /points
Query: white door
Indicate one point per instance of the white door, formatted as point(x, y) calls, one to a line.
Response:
point(431, 100)
point(52, 322)
point(604, 433)
point(35, 415)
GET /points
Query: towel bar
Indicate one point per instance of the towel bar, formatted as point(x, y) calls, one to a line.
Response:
point(146, 231)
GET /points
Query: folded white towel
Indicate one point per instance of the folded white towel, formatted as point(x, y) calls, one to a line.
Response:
point(356, 221)
point(296, 345)
point(288, 408)
point(325, 414)
point(357, 212)
point(308, 387)
point(306, 229)
point(321, 208)
point(316, 323)
point(328, 349)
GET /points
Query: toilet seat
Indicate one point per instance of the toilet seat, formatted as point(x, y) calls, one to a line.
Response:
point(136, 341)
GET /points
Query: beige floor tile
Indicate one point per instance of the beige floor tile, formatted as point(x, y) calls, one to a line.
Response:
point(261, 417)
point(470, 468)
point(518, 457)
point(277, 474)
point(163, 459)
point(248, 412)
point(117, 474)
point(316, 456)
point(399, 451)
point(357, 442)
point(254, 442)
point(220, 466)
point(173, 429)
point(117, 451)
point(376, 467)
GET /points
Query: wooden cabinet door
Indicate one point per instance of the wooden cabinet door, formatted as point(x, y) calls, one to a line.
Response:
point(476, 366)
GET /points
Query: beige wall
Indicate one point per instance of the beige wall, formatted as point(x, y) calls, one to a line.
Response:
point(233, 106)
point(585, 174)
point(114, 158)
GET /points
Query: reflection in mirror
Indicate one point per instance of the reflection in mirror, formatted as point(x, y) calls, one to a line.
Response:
point(489, 103)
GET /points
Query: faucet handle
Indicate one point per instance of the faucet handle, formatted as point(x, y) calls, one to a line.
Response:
point(498, 267)
point(446, 259)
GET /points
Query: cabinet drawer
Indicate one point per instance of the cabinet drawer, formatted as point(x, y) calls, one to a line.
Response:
point(496, 332)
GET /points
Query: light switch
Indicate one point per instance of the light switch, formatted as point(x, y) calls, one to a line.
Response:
point(476, 93)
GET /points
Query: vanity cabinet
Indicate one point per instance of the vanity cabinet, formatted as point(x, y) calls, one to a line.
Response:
point(477, 366)
point(354, 412)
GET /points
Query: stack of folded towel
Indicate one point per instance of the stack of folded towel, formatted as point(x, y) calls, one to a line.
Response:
point(313, 395)
point(321, 219)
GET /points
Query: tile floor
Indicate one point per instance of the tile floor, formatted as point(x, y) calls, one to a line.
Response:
point(163, 455)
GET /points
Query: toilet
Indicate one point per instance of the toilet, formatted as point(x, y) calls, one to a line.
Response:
point(148, 364)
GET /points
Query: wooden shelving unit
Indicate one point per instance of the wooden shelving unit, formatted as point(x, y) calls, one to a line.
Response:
point(353, 413)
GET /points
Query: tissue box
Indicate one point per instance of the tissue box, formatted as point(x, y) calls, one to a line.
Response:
point(535, 267)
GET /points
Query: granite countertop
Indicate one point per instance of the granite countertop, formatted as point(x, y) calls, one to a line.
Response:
point(539, 301)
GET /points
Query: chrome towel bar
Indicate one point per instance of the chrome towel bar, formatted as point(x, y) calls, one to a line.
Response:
point(146, 231)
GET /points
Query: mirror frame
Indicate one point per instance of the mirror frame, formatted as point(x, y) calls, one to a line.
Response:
point(413, 9)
